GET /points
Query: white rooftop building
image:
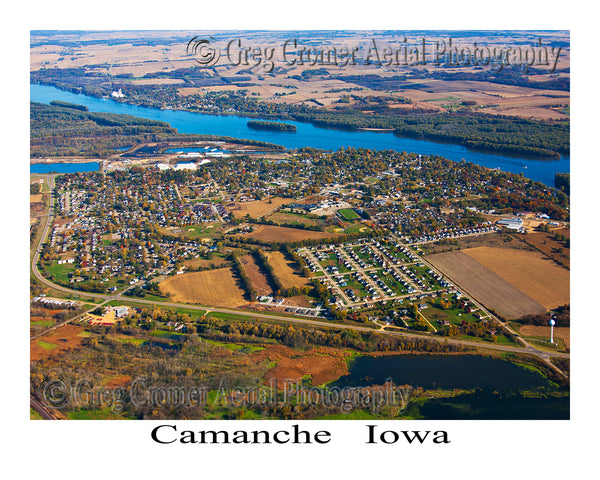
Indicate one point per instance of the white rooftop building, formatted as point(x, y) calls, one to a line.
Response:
point(511, 223)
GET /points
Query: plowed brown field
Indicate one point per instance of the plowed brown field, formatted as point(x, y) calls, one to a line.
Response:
point(532, 273)
point(485, 285)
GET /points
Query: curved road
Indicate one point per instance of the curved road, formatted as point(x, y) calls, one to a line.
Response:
point(529, 349)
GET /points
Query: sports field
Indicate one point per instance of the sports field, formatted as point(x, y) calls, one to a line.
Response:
point(348, 214)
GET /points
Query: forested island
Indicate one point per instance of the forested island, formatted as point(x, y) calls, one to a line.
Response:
point(474, 130)
point(62, 129)
point(273, 126)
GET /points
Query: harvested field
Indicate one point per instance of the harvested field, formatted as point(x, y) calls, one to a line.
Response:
point(554, 249)
point(499, 240)
point(198, 263)
point(157, 81)
point(64, 338)
point(257, 208)
point(212, 287)
point(256, 275)
point(538, 331)
point(486, 286)
point(270, 233)
point(532, 273)
point(528, 112)
point(285, 271)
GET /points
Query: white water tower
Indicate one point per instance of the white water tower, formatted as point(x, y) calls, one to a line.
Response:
point(552, 323)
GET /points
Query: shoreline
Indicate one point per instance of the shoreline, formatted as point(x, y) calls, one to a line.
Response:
point(516, 153)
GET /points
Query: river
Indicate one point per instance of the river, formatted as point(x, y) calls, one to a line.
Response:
point(308, 135)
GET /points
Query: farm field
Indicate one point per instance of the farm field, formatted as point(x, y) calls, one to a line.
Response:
point(270, 233)
point(256, 275)
point(485, 285)
point(289, 278)
point(211, 287)
point(547, 243)
point(257, 208)
point(491, 98)
point(531, 272)
point(197, 263)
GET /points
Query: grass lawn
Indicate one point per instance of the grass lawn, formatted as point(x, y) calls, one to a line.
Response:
point(358, 289)
point(205, 230)
point(353, 415)
point(60, 273)
point(544, 344)
point(357, 227)
point(133, 303)
point(454, 316)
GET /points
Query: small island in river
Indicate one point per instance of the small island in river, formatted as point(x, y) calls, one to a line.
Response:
point(274, 126)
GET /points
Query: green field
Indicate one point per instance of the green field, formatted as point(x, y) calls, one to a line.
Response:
point(234, 346)
point(357, 227)
point(60, 273)
point(348, 214)
point(454, 316)
point(46, 345)
point(205, 230)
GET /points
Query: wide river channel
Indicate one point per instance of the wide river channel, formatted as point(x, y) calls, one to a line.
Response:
point(428, 371)
point(308, 135)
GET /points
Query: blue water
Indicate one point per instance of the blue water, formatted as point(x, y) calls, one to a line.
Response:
point(308, 135)
point(440, 371)
point(64, 167)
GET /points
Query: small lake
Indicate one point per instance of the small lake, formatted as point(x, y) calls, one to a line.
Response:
point(308, 135)
point(441, 371)
point(64, 167)
point(490, 406)
point(498, 387)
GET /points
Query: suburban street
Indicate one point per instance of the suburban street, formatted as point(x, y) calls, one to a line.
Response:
point(528, 348)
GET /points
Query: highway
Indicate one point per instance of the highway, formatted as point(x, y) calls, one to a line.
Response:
point(529, 349)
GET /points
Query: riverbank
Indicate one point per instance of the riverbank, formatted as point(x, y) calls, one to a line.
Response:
point(309, 135)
